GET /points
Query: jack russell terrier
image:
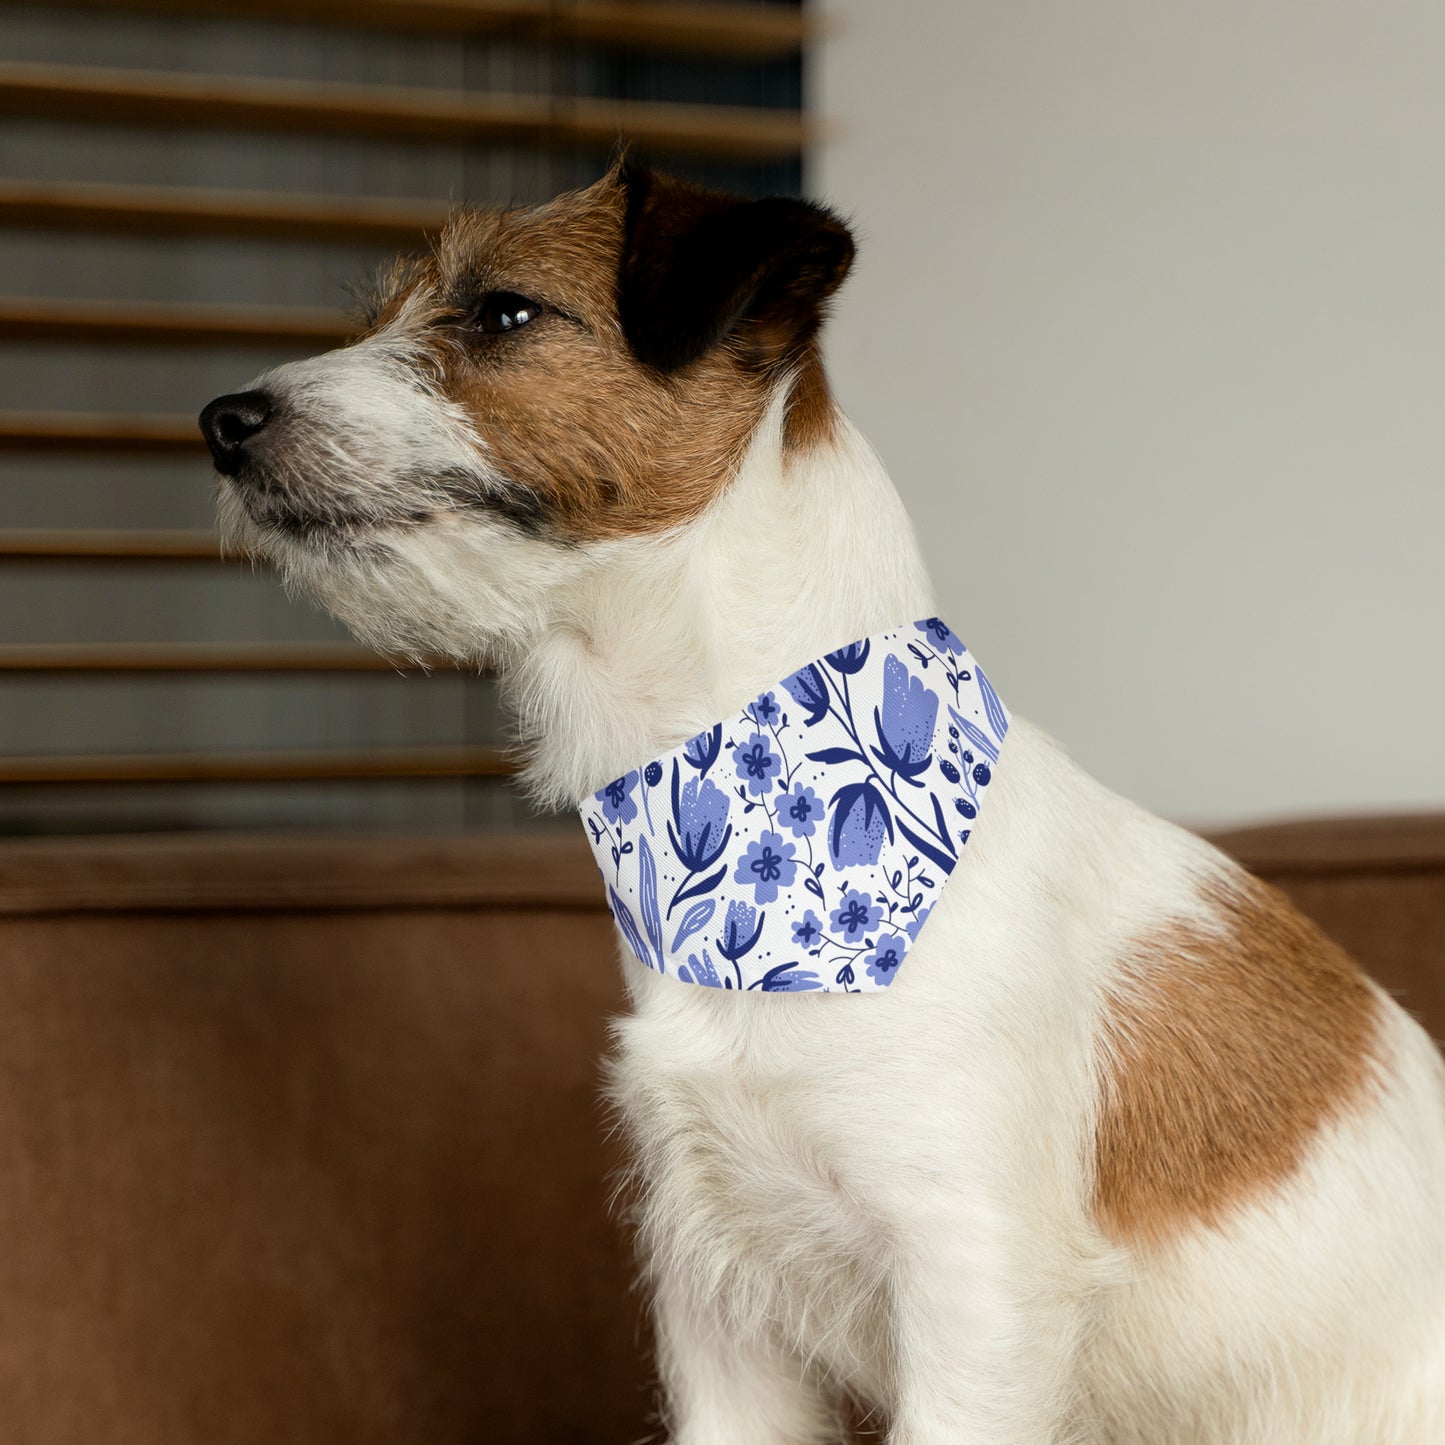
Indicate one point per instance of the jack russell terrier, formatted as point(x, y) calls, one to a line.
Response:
point(1114, 1146)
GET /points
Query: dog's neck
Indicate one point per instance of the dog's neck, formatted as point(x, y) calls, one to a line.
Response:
point(659, 637)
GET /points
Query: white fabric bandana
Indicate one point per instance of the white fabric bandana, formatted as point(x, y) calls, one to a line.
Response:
point(801, 844)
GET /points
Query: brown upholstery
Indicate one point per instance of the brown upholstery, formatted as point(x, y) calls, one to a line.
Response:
point(301, 1140)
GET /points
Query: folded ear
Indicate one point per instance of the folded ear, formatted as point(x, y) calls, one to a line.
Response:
point(699, 266)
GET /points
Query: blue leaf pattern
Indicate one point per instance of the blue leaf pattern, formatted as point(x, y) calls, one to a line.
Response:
point(647, 896)
point(694, 921)
point(808, 858)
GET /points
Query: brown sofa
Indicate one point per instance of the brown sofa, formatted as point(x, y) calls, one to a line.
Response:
point(301, 1138)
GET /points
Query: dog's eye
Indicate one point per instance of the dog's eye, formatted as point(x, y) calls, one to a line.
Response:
point(504, 311)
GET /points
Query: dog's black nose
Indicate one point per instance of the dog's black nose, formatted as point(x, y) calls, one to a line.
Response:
point(229, 422)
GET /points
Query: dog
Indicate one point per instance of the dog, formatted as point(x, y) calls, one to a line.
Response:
point(1127, 1151)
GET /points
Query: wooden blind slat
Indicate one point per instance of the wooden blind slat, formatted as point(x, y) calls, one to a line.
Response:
point(78, 431)
point(259, 767)
point(77, 544)
point(200, 657)
point(169, 323)
point(175, 210)
point(707, 29)
point(216, 102)
point(98, 432)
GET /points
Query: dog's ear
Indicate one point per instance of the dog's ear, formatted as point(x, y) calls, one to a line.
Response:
point(699, 266)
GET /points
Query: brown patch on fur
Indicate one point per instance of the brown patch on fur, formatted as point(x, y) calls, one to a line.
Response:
point(1226, 1053)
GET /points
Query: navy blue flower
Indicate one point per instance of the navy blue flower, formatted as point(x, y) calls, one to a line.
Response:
point(768, 865)
point(617, 800)
point(757, 763)
point(765, 710)
point(800, 810)
point(860, 823)
point(808, 931)
point(982, 775)
point(702, 750)
point(883, 962)
point(652, 775)
point(741, 931)
point(699, 829)
point(856, 915)
point(942, 636)
point(809, 691)
point(850, 659)
point(906, 721)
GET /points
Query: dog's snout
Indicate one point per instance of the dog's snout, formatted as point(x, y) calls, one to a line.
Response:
point(229, 422)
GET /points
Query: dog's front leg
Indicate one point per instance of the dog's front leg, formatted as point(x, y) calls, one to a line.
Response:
point(984, 1348)
point(722, 1389)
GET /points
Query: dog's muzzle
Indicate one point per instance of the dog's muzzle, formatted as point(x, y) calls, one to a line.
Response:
point(230, 422)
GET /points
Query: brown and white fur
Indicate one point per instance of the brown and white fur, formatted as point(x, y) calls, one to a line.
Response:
point(1130, 1153)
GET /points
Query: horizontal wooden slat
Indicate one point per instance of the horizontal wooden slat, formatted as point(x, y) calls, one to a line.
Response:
point(174, 210)
point(76, 544)
point(713, 29)
point(171, 323)
point(259, 767)
point(131, 657)
point(84, 431)
point(219, 102)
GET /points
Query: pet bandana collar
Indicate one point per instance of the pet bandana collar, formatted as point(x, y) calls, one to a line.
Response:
point(801, 844)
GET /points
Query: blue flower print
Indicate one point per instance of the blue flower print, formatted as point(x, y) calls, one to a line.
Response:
point(906, 721)
point(810, 692)
point(768, 865)
point(860, 823)
point(756, 763)
point(703, 971)
point(652, 776)
point(856, 915)
point(617, 800)
point(807, 932)
point(883, 962)
point(764, 712)
point(850, 659)
point(741, 931)
point(699, 830)
point(942, 635)
point(800, 810)
point(701, 752)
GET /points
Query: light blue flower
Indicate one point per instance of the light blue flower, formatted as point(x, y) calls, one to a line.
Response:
point(855, 915)
point(859, 825)
point(767, 865)
point(941, 635)
point(756, 763)
point(703, 971)
point(741, 931)
point(808, 930)
point(699, 830)
point(906, 721)
point(617, 800)
point(883, 962)
point(800, 810)
point(764, 712)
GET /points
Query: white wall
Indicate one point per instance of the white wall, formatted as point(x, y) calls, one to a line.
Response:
point(1149, 323)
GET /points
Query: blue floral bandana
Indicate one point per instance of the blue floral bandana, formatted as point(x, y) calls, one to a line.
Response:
point(802, 844)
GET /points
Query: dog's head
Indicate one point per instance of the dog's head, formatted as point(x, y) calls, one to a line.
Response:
point(565, 377)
